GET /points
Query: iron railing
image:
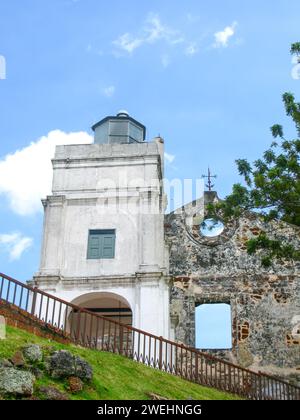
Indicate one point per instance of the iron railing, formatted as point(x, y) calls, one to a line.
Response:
point(95, 331)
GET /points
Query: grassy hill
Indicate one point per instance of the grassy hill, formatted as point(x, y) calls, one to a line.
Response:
point(115, 377)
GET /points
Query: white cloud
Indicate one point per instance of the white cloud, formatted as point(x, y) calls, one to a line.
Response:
point(296, 69)
point(15, 244)
point(222, 37)
point(156, 31)
point(169, 158)
point(191, 49)
point(2, 67)
point(109, 91)
point(153, 31)
point(26, 175)
point(128, 43)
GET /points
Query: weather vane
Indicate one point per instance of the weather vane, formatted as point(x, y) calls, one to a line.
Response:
point(209, 177)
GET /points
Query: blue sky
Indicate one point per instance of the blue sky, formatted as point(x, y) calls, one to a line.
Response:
point(207, 76)
point(213, 326)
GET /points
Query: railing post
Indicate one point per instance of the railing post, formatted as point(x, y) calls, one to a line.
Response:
point(33, 301)
point(288, 392)
point(121, 340)
point(1, 288)
point(196, 367)
point(260, 393)
point(78, 326)
point(229, 378)
point(160, 353)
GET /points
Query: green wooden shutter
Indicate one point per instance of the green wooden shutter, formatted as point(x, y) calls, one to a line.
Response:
point(101, 244)
point(108, 246)
point(94, 246)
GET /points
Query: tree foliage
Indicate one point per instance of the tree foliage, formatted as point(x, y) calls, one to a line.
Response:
point(271, 186)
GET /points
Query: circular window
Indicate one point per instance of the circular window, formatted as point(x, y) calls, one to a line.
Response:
point(211, 228)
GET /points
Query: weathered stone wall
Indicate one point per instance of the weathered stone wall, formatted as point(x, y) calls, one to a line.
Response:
point(18, 318)
point(265, 303)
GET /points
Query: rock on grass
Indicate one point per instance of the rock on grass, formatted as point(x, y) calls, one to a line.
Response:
point(52, 393)
point(16, 382)
point(75, 384)
point(63, 364)
point(33, 353)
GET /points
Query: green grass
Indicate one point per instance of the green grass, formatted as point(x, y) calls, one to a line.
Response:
point(115, 377)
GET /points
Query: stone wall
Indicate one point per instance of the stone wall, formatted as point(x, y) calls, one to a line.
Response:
point(265, 303)
point(18, 318)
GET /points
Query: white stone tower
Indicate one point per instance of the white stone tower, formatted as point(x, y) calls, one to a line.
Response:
point(103, 243)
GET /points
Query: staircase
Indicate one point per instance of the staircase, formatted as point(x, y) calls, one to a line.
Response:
point(65, 321)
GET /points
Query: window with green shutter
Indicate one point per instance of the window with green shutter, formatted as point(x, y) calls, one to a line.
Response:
point(101, 244)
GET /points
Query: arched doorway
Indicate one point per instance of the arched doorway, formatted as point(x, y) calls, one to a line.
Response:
point(103, 332)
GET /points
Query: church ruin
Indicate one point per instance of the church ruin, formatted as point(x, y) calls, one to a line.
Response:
point(109, 246)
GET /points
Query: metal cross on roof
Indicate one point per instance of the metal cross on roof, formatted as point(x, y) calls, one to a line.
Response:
point(209, 177)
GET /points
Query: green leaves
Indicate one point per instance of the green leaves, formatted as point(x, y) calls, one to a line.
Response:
point(292, 109)
point(277, 131)
point(244, 169)
point(269, 157)
point(271, 249)
point(295, 48)
point(259, 180)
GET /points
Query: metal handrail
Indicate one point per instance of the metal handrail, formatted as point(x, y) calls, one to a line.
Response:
point(92, 330)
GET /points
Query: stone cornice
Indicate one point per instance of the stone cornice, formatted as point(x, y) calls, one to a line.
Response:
point(85, 162)
point(97, 282)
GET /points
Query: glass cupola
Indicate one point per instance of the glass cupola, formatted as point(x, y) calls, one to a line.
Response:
point(119, 129)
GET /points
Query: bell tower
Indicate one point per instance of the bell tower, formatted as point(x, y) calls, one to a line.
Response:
point(104, 223)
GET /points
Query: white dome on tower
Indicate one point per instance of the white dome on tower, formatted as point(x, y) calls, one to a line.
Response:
point(123, 113)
